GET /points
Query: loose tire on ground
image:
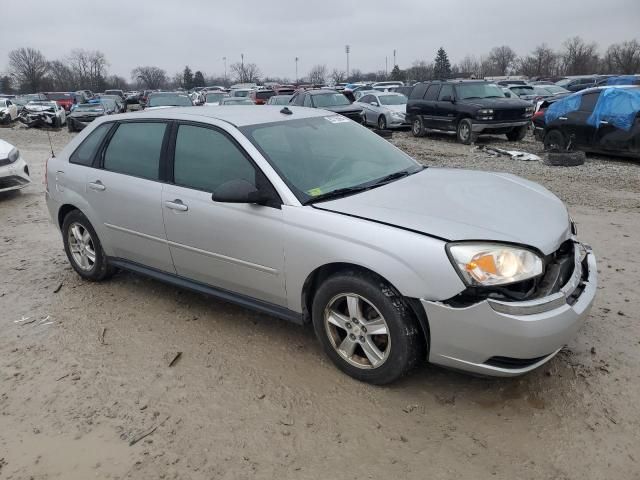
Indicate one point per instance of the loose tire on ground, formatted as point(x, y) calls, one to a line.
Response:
point(376, 299)
point(99, 267)
point(564, 159)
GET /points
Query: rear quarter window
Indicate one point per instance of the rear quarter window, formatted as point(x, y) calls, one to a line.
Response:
point(418, 91)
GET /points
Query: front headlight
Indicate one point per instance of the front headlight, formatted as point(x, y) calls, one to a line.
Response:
point(397, 114)
point(14, 154)
point(486, 264)
point(486, 111)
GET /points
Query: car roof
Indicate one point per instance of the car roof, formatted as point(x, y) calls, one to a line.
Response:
point(320, 91)
point(249, 115)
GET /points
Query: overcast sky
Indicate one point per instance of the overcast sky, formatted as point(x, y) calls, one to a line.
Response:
point(271, 33)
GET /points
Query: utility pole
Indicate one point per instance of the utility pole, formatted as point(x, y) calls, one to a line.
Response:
point(386, 66)
point(347, 49)
point(394, 58)
point(244, 76)
point(297, 70)
point(224, 59)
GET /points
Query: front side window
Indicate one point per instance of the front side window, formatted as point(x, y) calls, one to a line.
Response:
point(206, 158)
point(86, 152)
point(319, 155)
point(446, 91)
point(135, 149)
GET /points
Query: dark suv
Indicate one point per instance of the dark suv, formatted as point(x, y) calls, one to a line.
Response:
point(467, 107)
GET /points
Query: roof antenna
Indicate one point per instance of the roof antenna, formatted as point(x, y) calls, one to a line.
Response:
point(53, 155)
point(286, 111)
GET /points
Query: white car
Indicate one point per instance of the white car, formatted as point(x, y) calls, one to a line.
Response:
point(14, 172)
point(43, 113)
point(8, 111)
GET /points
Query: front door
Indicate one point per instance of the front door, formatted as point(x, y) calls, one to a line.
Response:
point(236, 247)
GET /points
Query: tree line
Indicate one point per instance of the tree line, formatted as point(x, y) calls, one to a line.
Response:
point(30, 71)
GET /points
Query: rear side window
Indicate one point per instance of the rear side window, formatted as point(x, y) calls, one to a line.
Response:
point(418, 91)
point(589, 101)
point(86, 152)
point(432, 92)
point(135, 149)
point(206, 158)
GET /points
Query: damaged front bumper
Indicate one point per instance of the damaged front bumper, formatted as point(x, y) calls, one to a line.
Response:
point(502, 338)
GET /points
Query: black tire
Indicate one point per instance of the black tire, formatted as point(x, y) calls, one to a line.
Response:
point(100, 269)
point(406, 345)
point(70, 126)
point(382, 122)
point(555, 140)
point(518, 133)
point(464, 132)
point(363, 119)
point(417, 128)
point(564, 159)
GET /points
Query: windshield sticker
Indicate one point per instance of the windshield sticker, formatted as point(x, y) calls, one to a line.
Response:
point(314, 192)
point(337, 119)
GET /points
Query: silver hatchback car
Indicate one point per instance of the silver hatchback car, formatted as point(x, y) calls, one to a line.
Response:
point(306, 215)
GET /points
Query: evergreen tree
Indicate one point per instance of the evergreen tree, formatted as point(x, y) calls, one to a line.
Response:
point(397, 74)
point(187, 78)
point(442, 66)
point(198, 79)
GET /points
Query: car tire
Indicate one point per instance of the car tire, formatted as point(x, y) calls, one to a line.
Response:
point(464, 132)
point(518, 133)
point(382, 122)
point(554, 140)
point(70, 127)
point(361, 302)
point(564, 158)
point(417, 128)
point(83, 248)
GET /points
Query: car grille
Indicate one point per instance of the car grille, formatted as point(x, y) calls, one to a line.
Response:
point(510, 114)
point(13, 181)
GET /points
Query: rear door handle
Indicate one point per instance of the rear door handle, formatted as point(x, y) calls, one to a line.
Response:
point(97, 185)
point(176, 205)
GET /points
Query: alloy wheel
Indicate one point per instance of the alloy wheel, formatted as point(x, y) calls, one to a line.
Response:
point(357, 331)
point(81, 246)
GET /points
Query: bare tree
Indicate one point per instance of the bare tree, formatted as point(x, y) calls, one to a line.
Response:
point(579, 57)
point(89, 68)
point(623, 57)
point(542, 62)
point(355, 75)
point(337, 76)
point(116, 82)
point(502, 59)
point(245, 72)
point(61, 77)
point(318, 74)
point(470, 66)
point(150, 77)
point(28, 67)
point(420, 70)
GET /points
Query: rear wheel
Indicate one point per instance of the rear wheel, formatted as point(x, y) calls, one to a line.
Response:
point(517, 133)
point(83, 248)
point(555, 140)
point(366, 328)
point(382, 122)
point(417, 128)
point(464, 131)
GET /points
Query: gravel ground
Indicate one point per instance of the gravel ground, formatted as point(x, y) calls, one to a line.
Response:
point(253, 397)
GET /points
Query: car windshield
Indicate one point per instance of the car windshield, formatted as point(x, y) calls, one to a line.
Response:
point(478, 90)
point(316, 156)
point(89, 107)
point(108, 103)
point(169, 101)
point(241, 93)
point(58, 96)
point(214, 97)
point(330, 100)
point(280, 100)
point(564, 82)
point(392, 99)
point(555, 89)
point(522, 90)
point(237, 101)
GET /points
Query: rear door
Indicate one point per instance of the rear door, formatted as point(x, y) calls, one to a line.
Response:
point(416, 102)
point(430, 115)
point(235, 247)
point(445, 108)
point(367, 109)
point(575, 126)
point(125, 193)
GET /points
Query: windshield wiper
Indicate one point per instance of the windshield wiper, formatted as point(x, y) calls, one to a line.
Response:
point(340, 192)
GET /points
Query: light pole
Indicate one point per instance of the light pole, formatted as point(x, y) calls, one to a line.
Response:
point(347, 49)
point(394, 58)
point(224, 59)
point(242, 68)
point(386, 66)
point(297, 70)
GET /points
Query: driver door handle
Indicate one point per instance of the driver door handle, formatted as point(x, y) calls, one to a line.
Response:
point(176, 205)
point(97, 185)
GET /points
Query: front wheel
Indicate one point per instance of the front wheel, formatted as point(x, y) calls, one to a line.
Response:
point(517, 133)
point(83, 248)
point(382, 122)
point(366, 328)
point(465, 131)
point(417, 128)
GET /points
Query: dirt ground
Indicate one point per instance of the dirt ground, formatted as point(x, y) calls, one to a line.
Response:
point(254, 397)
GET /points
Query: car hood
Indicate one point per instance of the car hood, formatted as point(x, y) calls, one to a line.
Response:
point(458, 205)
point(498, 103)
point(38, 108)
point(396, 108)
point(343, 108)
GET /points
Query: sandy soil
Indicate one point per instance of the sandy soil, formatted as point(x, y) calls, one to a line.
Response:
point(254, 397)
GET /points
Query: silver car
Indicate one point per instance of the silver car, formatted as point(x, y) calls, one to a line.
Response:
point(384, 109)
point(306, 215)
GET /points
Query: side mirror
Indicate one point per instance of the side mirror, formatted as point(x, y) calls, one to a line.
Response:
point(507, 94)
point(239, 191)
point(375, 104)
point(447, 98)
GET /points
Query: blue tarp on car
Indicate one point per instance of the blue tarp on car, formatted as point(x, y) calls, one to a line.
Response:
point(562, 107)
point(617, 106)
point(624, 80)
